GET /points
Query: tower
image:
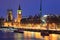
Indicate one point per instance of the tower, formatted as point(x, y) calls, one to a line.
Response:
point(40, 8)
point(9, 15)
point(19, 15)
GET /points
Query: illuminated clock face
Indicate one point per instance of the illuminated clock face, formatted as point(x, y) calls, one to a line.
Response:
point(19, 12)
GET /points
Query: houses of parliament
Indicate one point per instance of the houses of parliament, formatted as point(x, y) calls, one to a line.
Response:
point(20, 22)
point(10, 21)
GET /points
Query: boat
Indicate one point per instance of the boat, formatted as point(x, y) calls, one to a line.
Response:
point(18, 31)
point(7, 29)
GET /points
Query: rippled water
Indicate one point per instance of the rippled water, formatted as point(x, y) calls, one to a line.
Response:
point(14, 36)
point(20, 36)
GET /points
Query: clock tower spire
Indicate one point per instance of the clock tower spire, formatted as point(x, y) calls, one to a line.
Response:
point(19, 15)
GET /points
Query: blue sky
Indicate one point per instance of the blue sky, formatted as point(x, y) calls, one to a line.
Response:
point(30, 7)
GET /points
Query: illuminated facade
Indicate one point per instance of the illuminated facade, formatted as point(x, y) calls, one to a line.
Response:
point(9, 15)
point(19, 22)
point(10, 22)
point(19, 15)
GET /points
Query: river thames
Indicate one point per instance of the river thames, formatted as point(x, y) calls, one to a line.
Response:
point(27, 36)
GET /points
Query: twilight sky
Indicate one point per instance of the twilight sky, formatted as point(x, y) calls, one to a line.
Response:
point(30, 7)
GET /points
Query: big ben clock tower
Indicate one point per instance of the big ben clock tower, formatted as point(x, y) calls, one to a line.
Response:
point(19, 15)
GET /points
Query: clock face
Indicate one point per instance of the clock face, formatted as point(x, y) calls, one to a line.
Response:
point(19, 12)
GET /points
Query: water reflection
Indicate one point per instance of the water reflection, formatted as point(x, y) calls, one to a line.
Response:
point(6, 36)
point(27, 36)
point(58, 37)
point(18, 36)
